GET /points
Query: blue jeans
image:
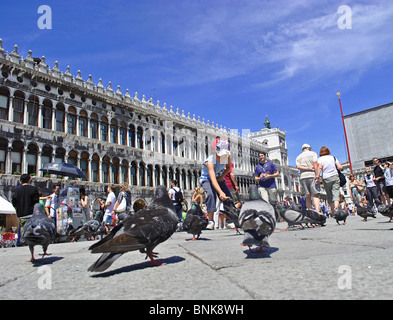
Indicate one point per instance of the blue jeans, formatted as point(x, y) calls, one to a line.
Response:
point(211, 194)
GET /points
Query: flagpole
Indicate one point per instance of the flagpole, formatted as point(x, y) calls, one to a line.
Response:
point(345, 132)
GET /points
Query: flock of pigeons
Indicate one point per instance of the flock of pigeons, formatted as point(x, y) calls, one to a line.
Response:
point(157, 222)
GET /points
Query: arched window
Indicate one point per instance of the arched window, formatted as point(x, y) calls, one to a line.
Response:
point(84, 165)
point(115, 171)
point(59, 156)
point(165, 176)
point(18, 104)
point(134, 167)
point(142, 181)
point(150, 175)
point(157, 181)
point(94, 126)
point(72, 157)
point(32, 108)
point(124, 171)
point(83, 123)
point(46, 155)
point(60, 117)
point(4, 102)
point(95, 168)
point(139, 138)
point(131, 135)
point(47, 114)
point(104, 128)
point(3, 154)
point(16, 156)
point(114, 131)
point(123, 134)
point(105, 169)
point(71, 120)
point(32, 152)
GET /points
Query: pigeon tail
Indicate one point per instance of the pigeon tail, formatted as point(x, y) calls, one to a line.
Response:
point(104, 262)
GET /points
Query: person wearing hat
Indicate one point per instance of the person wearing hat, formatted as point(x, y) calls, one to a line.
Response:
point(214, 169)
point(307, 163)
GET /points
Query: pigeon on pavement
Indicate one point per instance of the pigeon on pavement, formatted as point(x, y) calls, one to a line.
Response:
point(142, 231)
point(386, 210)
point(340, 215)
point(257, 219)
point(195, 221)
point(38, 230)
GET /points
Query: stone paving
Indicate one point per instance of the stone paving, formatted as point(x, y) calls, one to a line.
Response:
point(352, 261)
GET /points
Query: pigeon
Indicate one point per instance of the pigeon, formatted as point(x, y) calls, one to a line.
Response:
point(290, 216)
point(257, 219)
point(91, 227)
point(232, 213)
point(364, 212)
point(142, 231)
point(39, 230)
point(314, 218)
point(195, 221)
point(386, 210)
point(340, 215)
point(297, 217)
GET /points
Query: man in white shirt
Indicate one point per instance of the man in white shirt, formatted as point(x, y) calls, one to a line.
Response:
point(306, 162)
point(109, 204)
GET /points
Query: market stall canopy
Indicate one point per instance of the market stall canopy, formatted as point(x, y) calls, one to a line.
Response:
point(6, 207)
point(63, 169)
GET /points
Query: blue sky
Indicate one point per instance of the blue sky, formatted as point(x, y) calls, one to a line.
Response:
point(229, 61)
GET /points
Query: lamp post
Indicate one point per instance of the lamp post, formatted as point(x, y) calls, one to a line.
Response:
point(345, 132)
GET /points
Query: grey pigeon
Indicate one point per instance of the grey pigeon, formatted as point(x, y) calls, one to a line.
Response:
point(290, 216)
point(340, 215)
point(142, 231)
point(386, 210)
point(195, 221)
point(364, 212)
point(91, 228)
point(38, 230)
point(314, 218)
point(232, 213)
point(257, 219)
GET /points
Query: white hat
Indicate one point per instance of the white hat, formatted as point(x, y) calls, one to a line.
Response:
point(305, 146)
point(221, 146)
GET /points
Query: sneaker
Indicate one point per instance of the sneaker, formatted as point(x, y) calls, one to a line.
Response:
point(210, 226)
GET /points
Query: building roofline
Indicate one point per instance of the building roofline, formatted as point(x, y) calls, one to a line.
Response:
point(368, 110)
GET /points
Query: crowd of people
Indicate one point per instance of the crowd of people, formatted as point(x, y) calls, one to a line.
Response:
point(218, 184)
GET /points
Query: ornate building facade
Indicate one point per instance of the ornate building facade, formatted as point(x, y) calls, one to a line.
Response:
point(51, 116)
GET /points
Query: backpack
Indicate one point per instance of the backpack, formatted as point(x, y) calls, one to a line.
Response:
point(178, 196)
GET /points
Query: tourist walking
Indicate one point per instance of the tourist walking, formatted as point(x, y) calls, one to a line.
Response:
point(123, 202)
point(265, 174)
point(108, 205)
point(379, 179)
point(307, 163)
point(389, 179)
point(327, 168)
point(371, 187)
point(24, 199)
point(177, 196)
point(356, 190)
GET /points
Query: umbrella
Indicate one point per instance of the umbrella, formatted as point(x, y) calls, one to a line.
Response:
point(63, 169)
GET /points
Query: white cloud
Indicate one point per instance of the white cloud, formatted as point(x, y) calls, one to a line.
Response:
point(297, 39)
